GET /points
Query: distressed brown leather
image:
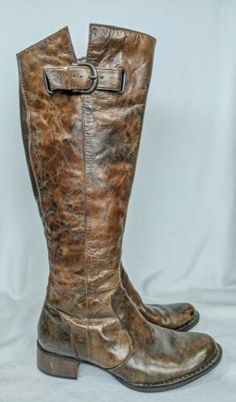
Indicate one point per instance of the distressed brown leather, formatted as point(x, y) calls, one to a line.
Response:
point(178, 316)
point(82, 152)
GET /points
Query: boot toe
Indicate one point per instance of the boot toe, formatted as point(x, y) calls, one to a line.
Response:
point(188, 318)
point(178, 316)
point(198, 354)
point(206, 348)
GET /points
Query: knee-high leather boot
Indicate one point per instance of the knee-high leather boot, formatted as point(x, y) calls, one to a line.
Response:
point(81, 125)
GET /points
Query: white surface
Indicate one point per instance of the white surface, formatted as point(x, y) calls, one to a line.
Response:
point(181, 229)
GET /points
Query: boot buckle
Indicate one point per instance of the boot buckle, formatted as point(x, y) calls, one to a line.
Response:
point(93, 77)
point(67, 79)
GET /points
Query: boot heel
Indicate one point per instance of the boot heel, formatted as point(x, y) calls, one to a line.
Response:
point(56, 365)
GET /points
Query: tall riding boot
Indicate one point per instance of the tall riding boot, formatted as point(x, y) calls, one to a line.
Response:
point(81, 124)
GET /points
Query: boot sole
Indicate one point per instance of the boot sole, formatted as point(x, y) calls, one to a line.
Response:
point(67, 367)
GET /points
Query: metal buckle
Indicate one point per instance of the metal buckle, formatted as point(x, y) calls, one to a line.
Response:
point(93, 77)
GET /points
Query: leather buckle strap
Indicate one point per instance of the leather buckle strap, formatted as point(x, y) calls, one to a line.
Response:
point(84, 78)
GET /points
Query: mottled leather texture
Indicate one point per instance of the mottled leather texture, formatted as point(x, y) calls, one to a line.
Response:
point(178, 316)
point(82, 152)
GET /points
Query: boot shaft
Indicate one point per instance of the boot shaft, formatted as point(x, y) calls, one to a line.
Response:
point(82, 151)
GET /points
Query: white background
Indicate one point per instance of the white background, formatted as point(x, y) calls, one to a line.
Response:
point(180, 241)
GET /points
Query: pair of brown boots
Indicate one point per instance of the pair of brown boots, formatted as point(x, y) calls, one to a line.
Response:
point(81, 123)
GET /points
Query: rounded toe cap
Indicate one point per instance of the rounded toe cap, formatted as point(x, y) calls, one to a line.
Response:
point(206, 350)
point(183, 316)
